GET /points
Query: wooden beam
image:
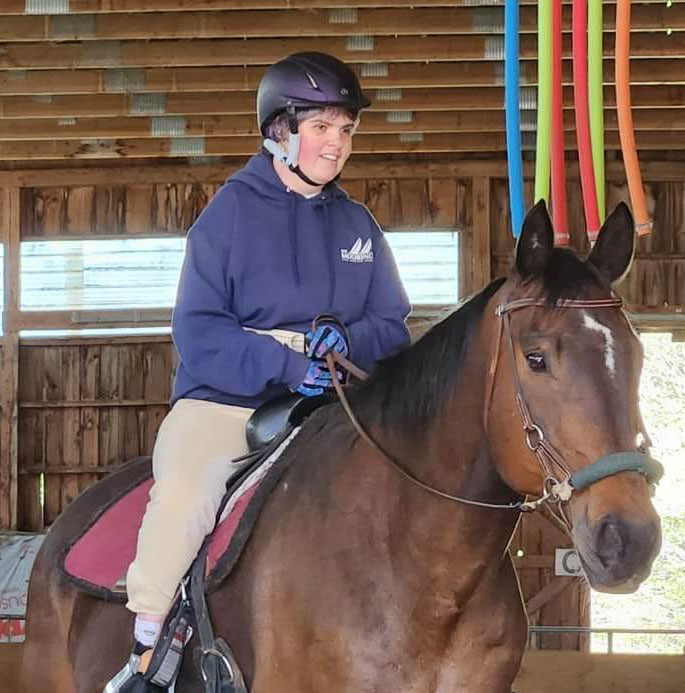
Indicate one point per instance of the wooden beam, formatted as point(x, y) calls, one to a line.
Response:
point(359, 167)
point(23, 150)
point(97, 340)
point(259, 51)
point(255, 24)
point(9, 370)
point(129, 127)
point(238, 78)
point(548, 592)
point(373, 122)
point(395, 21)
point(91, 319)
point(97, 403)
point(121, 173)
point(10, 7)
point(243, 102)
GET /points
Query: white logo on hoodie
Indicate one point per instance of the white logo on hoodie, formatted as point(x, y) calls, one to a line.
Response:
point(358, 252)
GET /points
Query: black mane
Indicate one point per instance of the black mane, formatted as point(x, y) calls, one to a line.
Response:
point(406, 391)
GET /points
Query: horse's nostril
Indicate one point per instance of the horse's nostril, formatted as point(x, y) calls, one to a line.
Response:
point(609, 541)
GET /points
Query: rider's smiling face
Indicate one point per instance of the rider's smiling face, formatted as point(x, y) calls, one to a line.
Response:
point(325, 144)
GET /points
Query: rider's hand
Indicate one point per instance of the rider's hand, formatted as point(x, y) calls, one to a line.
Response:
point(324, 339)
point(317, 380)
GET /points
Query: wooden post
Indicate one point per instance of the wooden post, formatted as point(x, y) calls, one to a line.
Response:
point(480, 244)
point(9, 371)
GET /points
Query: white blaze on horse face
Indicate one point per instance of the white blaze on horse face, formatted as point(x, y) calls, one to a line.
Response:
point(609, 356)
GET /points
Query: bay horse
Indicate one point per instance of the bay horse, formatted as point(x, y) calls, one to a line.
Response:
point(358, 578)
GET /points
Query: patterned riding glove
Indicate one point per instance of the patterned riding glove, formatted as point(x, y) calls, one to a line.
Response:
point(323, 339)
point(317, 380)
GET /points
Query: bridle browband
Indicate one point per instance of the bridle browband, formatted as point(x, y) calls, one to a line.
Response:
point(554, 490)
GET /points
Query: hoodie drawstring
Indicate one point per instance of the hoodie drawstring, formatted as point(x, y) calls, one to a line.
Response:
point(330, 250)
point(328, 240)
point(292, 232)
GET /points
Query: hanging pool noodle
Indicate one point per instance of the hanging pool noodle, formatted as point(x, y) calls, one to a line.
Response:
point(596, 80)
point(643, 224)
point(542, 148)
point(559, 210)
point(580, 96)
point(513, 116)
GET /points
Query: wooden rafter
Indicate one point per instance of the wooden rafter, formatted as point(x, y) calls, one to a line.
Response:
point(245, 124)
point(359, 167)
point(243, 102)
point(310, 22)
point(237, 78)
point(247, 145)
point(88, 6)
point(259, 51)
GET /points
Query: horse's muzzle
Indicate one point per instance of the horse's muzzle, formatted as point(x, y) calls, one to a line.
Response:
point(616, 554)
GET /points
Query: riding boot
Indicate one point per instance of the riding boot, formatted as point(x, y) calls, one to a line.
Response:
point(130, 679)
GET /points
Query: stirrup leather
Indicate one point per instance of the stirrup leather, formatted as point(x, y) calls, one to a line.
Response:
point(166, 659)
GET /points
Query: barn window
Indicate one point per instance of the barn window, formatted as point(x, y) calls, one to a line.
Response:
point(143, 272)
point(427, 262)
point(100, 274)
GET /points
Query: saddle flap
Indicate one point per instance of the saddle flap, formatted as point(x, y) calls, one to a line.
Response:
point(98, 558)
point(278, 414)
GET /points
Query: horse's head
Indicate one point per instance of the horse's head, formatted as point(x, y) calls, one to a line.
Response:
point(565, 397)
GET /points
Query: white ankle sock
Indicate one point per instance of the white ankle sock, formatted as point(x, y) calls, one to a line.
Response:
point(146, 632)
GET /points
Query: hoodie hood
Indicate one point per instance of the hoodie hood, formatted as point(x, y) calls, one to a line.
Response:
point(259, 175)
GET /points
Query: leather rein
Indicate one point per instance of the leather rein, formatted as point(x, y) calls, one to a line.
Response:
point(550, 461)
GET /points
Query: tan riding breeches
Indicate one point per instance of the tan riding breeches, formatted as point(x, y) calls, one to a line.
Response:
point(191, 465)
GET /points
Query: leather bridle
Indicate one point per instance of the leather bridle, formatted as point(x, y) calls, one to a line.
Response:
point(559, 481)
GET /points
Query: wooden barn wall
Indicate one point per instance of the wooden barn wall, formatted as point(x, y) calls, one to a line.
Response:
point(656, 280)
point(112, 210)
point(84, 406)
point(120, 210)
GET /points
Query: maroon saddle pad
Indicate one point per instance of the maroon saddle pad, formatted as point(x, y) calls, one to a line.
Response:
point(98, 558)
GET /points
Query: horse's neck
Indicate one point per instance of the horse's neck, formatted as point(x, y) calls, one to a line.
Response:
point(449, 545)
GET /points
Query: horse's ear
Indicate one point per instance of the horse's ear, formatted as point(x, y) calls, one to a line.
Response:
point(535, 242)
point(613, 251)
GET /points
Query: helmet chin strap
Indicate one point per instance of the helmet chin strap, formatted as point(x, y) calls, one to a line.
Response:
point(290, 157)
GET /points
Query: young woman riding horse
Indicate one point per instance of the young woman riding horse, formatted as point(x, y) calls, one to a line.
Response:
point(358, 580)
point(263, 259)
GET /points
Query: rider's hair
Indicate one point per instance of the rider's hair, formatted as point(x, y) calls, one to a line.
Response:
point(278, 129)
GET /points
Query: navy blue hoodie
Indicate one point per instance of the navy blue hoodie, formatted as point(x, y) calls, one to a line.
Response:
point(264, 257)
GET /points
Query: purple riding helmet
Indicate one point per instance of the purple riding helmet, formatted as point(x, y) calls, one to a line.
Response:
point(304, 80)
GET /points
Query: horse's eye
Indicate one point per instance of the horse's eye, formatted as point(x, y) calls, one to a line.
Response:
point(536, 361)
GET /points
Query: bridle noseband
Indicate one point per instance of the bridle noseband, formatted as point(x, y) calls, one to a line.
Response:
point(555, 490)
